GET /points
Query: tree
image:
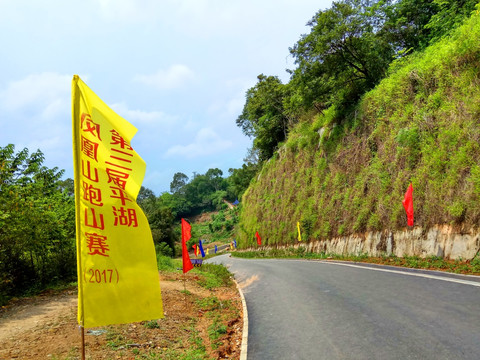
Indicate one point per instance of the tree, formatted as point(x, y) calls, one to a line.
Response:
point(263, 116)
point(414, 24)
point(145, 194)
point(161, 223)
point(67, 186)
point(214, 176)
point(344, 55)
point(239, 179)
point(450, 14)
point(179, 181)
point(37, 224)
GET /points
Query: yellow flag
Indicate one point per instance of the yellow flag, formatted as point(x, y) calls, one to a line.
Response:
point(207, 250)
point(118, 280)
point(299, 234)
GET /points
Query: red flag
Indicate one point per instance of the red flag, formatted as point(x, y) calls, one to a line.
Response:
point(195, 251)
point(408, 205)
point(259, 239)
point(186, 235)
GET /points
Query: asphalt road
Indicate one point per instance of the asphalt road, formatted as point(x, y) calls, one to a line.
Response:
point(322, 310)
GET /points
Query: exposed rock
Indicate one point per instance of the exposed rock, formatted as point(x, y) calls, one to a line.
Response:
point(441, 240)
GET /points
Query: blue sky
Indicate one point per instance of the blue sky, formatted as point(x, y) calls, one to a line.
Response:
point(176, 69)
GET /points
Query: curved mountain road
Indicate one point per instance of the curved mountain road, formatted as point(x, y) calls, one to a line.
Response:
point(325, 310)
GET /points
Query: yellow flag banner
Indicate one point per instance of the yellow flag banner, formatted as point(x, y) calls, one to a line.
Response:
point(118, 280)
point(299, 234)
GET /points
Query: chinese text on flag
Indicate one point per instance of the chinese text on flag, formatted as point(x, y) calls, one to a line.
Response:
point(118, 280)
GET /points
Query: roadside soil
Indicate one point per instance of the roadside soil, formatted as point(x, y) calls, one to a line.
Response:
point(45, 326)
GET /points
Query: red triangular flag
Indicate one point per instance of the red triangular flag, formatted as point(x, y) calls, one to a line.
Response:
point(259, 239)
point(408, 205)
point(186, 235)
point(195, 249)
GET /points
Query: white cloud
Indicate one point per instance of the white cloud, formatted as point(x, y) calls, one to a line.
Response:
point(157, 178)
point(230, 105)
point(218, 46)
point(54, 108)
point(48, 92)
point(143, 117)
point(48, 144)
point(206, 142)
point(130, 11)
point(174, 77)
point(38, 111)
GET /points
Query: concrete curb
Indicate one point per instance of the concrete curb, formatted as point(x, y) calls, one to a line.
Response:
point(244, 347)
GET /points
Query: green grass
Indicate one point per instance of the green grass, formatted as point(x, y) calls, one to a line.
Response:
point(36, 290)
point(220, 227)
point(165, 263)
point(114, 339)
point(213, 276)
point(152, 324)
point(215, 331)
point(209, 303)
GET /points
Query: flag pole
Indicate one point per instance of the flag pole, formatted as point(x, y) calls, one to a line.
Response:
point(83, 342)
point(76, 157)
point(185, 289)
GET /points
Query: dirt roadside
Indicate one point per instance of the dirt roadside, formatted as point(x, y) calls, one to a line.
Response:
point(205, 323)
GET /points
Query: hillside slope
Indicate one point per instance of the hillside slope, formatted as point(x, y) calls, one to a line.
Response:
point(340, 176)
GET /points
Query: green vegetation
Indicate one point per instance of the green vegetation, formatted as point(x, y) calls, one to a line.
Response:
point(210, 275)
point(384, 93)
point(189, 199)
point(348, 51)
point(219, 228)
point(216, 330)
point(37, 225)
point(214, 276)
point(190, 337)
point(114, 339)
point(152, 324)
point(166, 263)
point(205, 192)
point(209, 304)
point(431, 263)
point(345, 171)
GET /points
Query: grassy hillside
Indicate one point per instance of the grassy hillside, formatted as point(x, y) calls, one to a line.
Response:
point(339, 175)
point(213, 228)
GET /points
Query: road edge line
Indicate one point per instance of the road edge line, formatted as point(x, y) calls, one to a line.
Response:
point(427, 276)
point(244, 346)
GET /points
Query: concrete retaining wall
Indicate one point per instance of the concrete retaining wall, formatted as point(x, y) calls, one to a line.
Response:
point(442, 240)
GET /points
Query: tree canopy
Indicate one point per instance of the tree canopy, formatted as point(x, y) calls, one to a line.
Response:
point(347, 52)
point(263, 116)
point(37, 223)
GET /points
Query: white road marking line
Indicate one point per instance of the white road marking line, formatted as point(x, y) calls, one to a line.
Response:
point(435, 277)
